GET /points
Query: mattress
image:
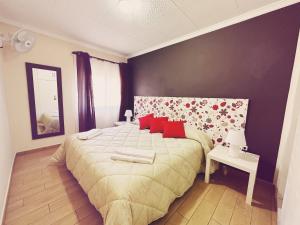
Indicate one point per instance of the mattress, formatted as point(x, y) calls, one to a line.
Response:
point(128, 193)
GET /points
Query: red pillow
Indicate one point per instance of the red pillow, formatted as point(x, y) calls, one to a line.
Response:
point(157, 125)
point(174, 129)
point(145, 121)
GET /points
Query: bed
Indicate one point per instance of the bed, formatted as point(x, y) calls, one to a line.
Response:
point(133, 193)
point(48, 123)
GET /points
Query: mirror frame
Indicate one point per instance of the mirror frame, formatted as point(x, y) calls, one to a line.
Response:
point(31, 98)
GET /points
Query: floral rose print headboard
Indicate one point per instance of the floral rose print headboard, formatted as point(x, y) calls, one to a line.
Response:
point(215, 116)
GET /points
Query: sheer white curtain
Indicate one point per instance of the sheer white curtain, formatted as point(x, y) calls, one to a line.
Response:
point(107, 92)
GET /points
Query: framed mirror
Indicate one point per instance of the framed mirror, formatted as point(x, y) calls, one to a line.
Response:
point(45, 100)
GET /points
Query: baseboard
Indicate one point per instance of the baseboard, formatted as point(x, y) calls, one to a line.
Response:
point(279, 216)
point(37, 149)
point(2, 218)
point(279, 200)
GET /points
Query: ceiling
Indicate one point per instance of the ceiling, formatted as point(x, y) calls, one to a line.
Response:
point(124, 26)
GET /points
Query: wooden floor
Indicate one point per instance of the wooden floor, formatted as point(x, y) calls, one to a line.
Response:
point(41, 194)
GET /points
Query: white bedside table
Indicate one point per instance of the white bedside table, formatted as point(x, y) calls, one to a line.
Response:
point(247, 162)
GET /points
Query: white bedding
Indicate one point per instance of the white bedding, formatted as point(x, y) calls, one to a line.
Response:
point(127, 193)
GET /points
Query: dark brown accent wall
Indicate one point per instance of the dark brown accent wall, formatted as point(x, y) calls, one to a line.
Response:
point(252, 59)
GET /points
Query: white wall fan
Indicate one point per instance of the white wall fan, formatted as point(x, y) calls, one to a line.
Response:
point(22, 40)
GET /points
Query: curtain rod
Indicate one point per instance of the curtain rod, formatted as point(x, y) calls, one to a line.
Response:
point(94, 57)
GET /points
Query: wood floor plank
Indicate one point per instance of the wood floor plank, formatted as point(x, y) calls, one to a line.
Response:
point(39, 200)
point(191, 203)
point(51, 194)
point(16, 182)
point(70, 219)
point(225, 207)
point(92, 219)
point(85, 210)
point(172, 209)
point(203, 213)
point(16, 189)
point(161, 221)
point(18, 173)
point(177, 219)
point(207, 206)
point(213, 222)
point(66, 180)
point(261, 216)
point(14, 205)
point(274, 218)
point(174, 206)
point(215, 193)
point(22, 211)
point(76, 197)
point(59, 214)
point(29, 217)
point(30, 175)
point(242, 212)
point(41, 194)
point(26, 194)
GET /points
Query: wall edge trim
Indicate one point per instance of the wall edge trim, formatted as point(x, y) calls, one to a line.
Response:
point(28, 151)
point(225, 23)
point(63, 38)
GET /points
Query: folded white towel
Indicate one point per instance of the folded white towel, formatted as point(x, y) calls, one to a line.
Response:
point(133, 159)
point(89, 134)
point(140, 153)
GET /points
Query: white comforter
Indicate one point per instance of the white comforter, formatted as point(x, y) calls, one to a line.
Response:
point(132, 193)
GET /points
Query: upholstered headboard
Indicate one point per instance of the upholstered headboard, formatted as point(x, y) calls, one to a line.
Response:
point(215, 116)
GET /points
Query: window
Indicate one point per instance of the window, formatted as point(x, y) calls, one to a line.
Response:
point(107, 92)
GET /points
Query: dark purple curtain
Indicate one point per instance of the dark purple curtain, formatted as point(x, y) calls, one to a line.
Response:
point(86, 110)
point(125, 90)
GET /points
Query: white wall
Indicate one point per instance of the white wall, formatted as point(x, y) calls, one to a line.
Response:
point(289, 215)
point(6, 153)
point(47, 51)
point(289, 129)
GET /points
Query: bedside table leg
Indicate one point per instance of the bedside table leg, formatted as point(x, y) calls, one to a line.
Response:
point(250, 189)
point(207, 170)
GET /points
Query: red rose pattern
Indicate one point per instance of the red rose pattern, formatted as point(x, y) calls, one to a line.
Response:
point(215, 107)
point(215, 116)
point(223, 104)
